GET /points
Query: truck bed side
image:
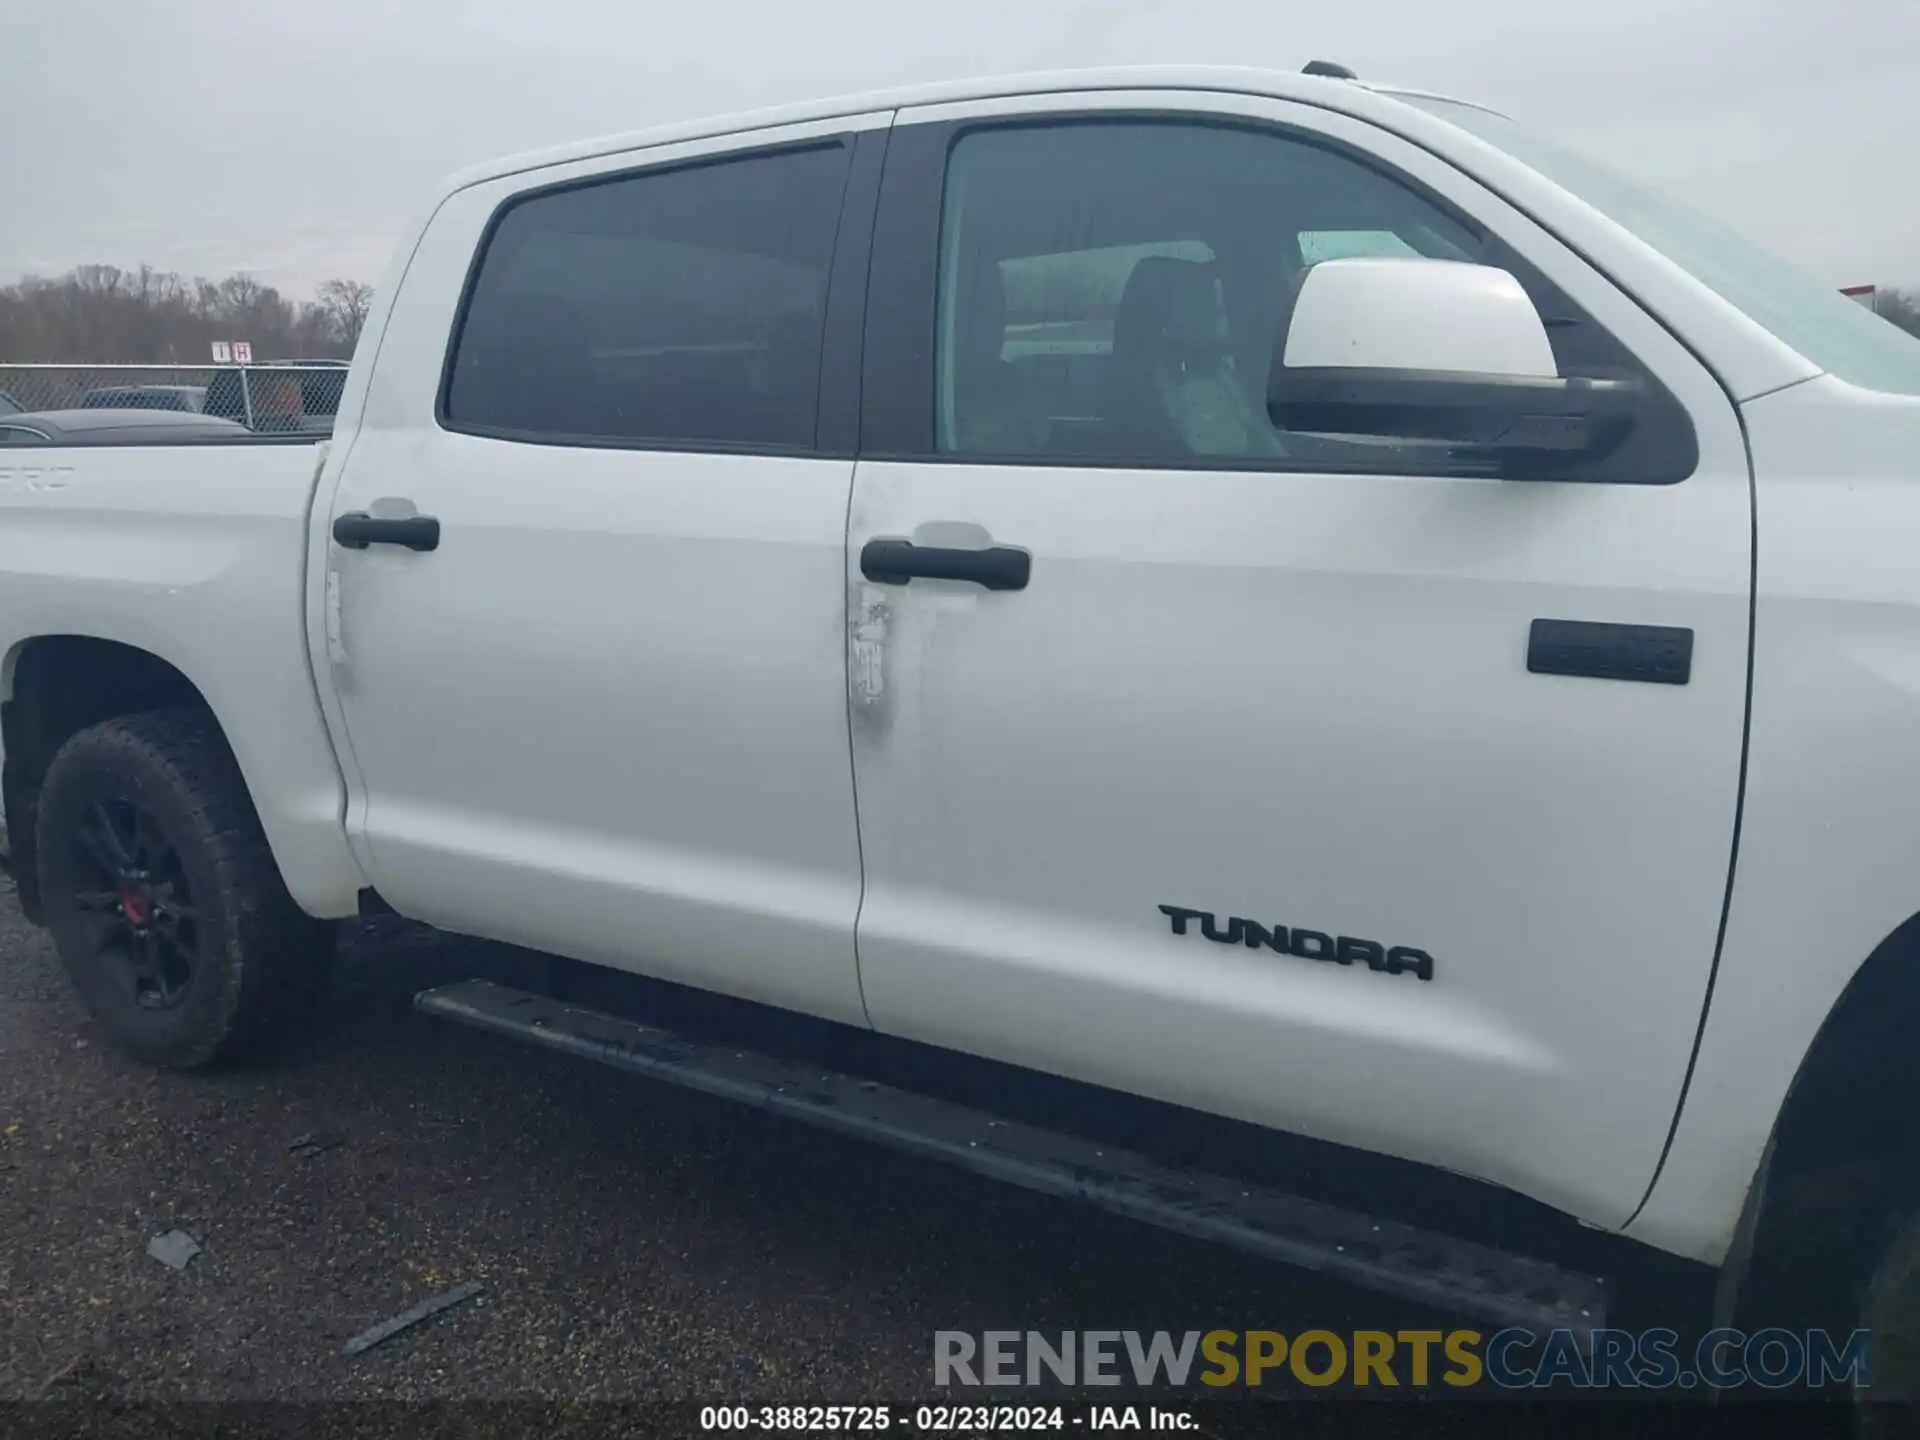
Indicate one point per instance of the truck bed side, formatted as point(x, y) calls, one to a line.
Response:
point(194, 556)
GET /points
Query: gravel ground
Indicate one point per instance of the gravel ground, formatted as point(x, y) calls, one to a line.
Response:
point(635, 1242)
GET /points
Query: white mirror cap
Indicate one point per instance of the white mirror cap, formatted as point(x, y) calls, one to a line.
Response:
point(1394, 313)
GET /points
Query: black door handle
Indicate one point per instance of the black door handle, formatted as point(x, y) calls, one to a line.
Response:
point(357, 530)
point(895, 562)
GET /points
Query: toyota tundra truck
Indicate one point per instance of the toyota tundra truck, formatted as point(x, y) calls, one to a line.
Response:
point(1279, 597)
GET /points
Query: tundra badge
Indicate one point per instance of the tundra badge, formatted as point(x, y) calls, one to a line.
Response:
point(1306, 944)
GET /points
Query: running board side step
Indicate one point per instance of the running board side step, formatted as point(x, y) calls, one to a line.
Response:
point(1383, 1255)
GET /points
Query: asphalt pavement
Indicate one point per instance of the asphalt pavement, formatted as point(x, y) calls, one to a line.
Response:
point(631, 1241)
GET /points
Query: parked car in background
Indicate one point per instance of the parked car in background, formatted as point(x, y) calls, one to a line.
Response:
point(127, 426)
point(190, 398)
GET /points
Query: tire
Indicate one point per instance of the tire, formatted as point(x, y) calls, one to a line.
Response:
point(163, 898)
point(1890, 1313)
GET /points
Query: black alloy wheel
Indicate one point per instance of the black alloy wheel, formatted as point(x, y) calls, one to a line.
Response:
point(163, 896)
point(133, 889)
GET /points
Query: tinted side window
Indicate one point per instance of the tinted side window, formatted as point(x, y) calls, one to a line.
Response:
point(682, 306)
point(1112, 291)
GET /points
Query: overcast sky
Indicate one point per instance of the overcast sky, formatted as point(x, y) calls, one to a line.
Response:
point(293, 138)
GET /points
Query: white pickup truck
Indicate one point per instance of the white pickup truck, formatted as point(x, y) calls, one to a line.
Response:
point(1279, 596)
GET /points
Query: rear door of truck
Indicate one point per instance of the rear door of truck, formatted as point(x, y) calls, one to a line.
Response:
point(605, 714)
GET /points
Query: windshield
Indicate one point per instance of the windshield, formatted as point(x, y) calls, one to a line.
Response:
point(1839, 335)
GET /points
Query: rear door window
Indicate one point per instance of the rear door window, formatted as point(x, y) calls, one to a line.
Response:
point(682, 307)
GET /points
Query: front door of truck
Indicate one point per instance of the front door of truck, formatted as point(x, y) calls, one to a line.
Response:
point(1204, 760)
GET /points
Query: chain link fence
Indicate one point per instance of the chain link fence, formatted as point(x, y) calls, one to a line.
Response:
point(291, 397)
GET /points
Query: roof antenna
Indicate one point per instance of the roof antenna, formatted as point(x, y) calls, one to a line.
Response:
point(1329, 69)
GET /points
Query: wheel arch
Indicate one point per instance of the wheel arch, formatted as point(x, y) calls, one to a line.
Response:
point(1839, 1167)
point(53, 686)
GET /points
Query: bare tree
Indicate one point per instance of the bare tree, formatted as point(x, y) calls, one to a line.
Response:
point(103, 314)
point(345, 303)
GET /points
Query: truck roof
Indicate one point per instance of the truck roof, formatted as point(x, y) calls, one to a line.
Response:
point(1363, 99)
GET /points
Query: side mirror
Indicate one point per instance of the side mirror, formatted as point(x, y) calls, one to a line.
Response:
point(1435, 350)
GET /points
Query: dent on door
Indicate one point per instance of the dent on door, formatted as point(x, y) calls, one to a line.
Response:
point(948, 561)
point(867, 655)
